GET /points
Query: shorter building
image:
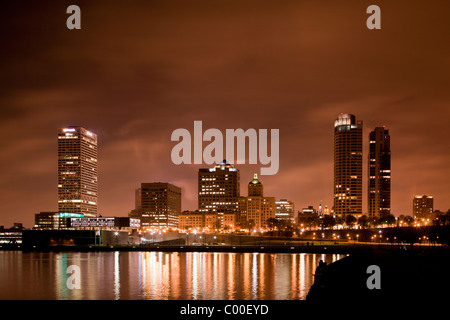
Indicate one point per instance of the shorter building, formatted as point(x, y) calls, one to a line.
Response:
point(191, 220)
point(227, 221)
point(44, 239)
point(109, 223)
point(207, 221)
point(11, 237)
point(422, 206)
point(76, 221)
point(259, 211)
point(309, 210)
point(53, 220)
point(157, 205)
point(284, 210)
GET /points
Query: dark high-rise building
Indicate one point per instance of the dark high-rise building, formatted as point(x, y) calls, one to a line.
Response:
point(379, 172)
point(422, 206)
point(77, 171)
point(348, 162)
point(219, 189)
point(158, 205)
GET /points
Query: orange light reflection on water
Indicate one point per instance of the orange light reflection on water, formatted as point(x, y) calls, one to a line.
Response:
point(201, 275)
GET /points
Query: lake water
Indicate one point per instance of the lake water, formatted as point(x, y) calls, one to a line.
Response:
point(159, 275)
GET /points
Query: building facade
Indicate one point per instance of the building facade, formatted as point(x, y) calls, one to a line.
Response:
point(106, 223)
point(188, 220)
point(379, 172)
point(77, 171)
point(258, 208)
point(53, 220)
point(348, 165)
point(218, 189)
point(207, 221)
point(422, 206)
point(227, 221)
point(158, 205)
point(284, 210)
point(11, 237)
point(241, 218)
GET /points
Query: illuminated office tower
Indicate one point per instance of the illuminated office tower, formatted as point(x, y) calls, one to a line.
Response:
point(158, 205)
point(422, 206)
point(259, 208)
point(379, 171)
point(218, 189)
point(348, 164)
point(77, 171)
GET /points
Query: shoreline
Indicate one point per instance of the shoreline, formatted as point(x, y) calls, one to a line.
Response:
point(263, 248)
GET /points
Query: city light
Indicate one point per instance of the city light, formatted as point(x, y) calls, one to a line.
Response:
point(298, 117)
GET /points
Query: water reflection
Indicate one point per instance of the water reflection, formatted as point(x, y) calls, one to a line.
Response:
point(116, 276)
point(160, 275)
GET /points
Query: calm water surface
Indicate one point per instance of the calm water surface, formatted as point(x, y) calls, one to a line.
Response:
point(159, 275)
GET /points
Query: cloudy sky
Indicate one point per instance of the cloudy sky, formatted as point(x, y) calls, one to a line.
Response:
point(137, 70)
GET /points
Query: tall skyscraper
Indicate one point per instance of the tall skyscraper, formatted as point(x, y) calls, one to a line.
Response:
point(379, 172)
point(218, 189)
point(348, 149)
point(158, 205)
point(77, 171)
point(422, 206)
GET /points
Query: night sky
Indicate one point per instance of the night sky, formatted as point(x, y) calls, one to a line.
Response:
point(137, 70)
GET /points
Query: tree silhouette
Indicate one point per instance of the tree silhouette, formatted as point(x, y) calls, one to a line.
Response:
point(327, 221)
point(350, 220)
point(363, 221)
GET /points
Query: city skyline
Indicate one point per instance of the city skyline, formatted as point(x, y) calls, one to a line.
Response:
point(83, 133)
point(133, 74)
